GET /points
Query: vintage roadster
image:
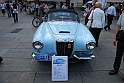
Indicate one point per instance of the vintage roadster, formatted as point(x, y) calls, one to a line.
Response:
point(62, 34)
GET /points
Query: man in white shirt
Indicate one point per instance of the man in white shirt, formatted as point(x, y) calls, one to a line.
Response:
point(64, 6)
point(2, 5)
point(111, 12)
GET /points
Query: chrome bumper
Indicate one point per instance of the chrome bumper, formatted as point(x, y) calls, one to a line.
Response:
point(75, 56)
point(80, 58)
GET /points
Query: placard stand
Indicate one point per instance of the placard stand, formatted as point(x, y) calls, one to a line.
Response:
point(59, 68)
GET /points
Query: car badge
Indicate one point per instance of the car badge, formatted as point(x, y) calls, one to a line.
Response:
point(69, 45)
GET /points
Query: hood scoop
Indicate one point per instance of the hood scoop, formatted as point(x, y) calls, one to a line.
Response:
point(63, 27)
point(64, 32)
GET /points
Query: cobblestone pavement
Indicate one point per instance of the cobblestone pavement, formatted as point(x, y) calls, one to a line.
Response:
point(19, 67)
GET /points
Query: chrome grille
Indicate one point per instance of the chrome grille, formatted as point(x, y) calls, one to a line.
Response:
point(64, 48)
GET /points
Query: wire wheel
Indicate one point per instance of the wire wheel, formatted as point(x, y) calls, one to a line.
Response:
point(36, 22)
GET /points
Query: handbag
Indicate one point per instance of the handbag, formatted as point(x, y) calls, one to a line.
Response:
point(120, 36)
point(89, 23)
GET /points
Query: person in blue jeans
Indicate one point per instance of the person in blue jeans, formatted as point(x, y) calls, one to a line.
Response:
point(8, 9)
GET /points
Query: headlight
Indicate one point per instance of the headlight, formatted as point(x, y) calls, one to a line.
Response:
point(38, 45)
point(90, 45)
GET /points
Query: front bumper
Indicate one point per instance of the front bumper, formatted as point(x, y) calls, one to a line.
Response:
point(47, 57)
point(80, 58)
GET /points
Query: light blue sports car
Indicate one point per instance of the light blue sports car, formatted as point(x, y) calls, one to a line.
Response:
point(62, 34)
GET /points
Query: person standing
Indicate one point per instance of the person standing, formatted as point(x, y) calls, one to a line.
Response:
point(46, 8)
point(64, 6)
point(20, 7)
point(72, 6)
point(87, 10)
point(24, 6)
point(93, 7)
point(120, 46)
point(15, 12)
point(11, 10)
point(2, 5)
point(98, 20)
point(36, 8)
point(41, 12)
point(8, 9)
point(111, 12)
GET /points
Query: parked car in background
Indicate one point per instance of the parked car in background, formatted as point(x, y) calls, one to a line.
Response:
point(62, 34)
point(84, 6)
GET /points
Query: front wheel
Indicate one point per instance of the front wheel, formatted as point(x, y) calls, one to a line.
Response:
point(36, 22)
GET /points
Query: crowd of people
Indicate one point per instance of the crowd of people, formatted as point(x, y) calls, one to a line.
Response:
point(117, 10)
point(36, 8)
point(11, 9)
point(97, 16)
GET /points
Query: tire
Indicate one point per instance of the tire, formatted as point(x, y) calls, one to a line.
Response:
point(36, 22)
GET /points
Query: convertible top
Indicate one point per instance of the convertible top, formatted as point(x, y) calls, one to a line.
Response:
point(62, 10)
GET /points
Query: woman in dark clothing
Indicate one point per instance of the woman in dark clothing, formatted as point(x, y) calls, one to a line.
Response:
point(15, 12)
point(72, 6)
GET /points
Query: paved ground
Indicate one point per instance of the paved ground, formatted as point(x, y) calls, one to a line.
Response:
point(19, 67)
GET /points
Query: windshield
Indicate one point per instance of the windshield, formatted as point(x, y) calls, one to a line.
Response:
point(62, 16)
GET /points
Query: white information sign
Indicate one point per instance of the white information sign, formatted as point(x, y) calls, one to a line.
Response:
point(59, 68)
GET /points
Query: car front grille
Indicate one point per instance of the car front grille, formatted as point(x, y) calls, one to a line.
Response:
point(64, 48)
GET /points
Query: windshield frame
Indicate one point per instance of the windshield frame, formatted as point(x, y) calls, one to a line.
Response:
point(62, 16)
point(62, 11)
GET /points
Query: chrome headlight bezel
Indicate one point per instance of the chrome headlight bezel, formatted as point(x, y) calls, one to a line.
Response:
point(90, 45)
point(37, 45)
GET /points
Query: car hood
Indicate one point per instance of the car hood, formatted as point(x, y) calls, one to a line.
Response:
point(63, 27)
